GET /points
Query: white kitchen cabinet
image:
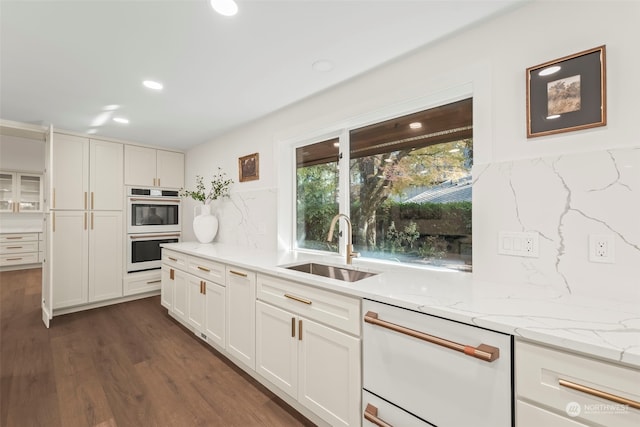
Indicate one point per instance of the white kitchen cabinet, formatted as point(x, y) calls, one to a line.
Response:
point(69, 172)
point(20, 192)
point(180, 295)
point(166, 292)
point(20, 250)
point(106, 165)
point(240, 316)
point(314, 363)
point(215, 313)
point(153, 168)
point(557, 388)
point(105, 255)
point(196, 290)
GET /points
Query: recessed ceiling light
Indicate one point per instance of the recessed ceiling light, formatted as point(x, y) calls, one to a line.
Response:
point(225, 7)
point(153, 85)
point(112, 107)
point(549, 70)
point(121, 120)
point(415, 125)
point(322, 65)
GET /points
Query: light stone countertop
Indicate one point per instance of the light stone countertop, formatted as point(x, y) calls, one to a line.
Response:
point(605, 329)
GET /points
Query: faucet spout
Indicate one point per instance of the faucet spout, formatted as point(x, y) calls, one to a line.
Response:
point(349, 253)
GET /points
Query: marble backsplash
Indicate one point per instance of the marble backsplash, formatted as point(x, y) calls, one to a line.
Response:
point(565, 199)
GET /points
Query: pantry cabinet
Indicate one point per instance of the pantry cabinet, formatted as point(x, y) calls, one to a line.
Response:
point(150, 167)
point(20, 192)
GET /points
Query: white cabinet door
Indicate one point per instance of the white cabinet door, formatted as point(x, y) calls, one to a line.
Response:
point(69, 258)
point(195, 303)
point(8, 194)
point(70, 172)
point(170, 169)
point(528, 415)
point(241, 312)
point(215, 313)
point(277, 347)
point(166, 292)
point(106, 175)
point(180, 301)
point(20, 192)
point(329, 373)
point(105, 255)
point(139, 166)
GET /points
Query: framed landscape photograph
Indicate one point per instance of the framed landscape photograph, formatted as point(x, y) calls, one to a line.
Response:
point(567, 94)
point(249, 167)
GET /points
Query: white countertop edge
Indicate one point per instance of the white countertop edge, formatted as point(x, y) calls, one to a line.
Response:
point(604, 329)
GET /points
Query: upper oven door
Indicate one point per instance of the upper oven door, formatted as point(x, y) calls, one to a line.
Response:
point(152, 215)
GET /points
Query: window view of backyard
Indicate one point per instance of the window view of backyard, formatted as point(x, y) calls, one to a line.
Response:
point(410, 189)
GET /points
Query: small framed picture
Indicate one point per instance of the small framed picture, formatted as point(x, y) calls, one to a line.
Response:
point(249, 167)
point(567, 94)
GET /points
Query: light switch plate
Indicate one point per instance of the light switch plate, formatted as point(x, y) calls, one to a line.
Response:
point(518, 243)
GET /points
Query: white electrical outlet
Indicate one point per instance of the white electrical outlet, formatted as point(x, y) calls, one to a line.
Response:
point(601, 248)
point(518, 243)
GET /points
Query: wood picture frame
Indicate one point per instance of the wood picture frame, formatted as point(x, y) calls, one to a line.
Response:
point(249, 167)
point(567, 94)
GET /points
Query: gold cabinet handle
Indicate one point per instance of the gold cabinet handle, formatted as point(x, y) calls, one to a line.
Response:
point(14, 259)
point(92, 200)
point(173, 259)
point(371, 415)
point(92, 220)
point(150, 282)
point(85, 220)
point(237, 273)
point(14, 238)
point(203, 269)
point(599, 393)
point(204, 287)
point(293, 327)
point(53, 222)
point(300, 330)
point(295, 298)
point(14, 247)
point(158, 182)
point(482, 352)
point(154, 182)
point(85, 200)
point(172, 274)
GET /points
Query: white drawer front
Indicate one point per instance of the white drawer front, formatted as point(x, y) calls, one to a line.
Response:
point(532, 416)
point(208, 270)
point(19, 259)
point(540, 370)
point(19, 237)
point(373, 406)
point(338, 311)
point(18, 247)
point(442, 386)
point(138, 286)
point(174, 259)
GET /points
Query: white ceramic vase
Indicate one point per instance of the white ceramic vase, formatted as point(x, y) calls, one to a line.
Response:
point(205, 225)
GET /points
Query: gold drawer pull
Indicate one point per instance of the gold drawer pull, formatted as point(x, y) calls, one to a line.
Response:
point(203, 269)
point(482, 352)
point(599, 393)
point(172, 274)
point(173, 259)
point(14, 247)
point(14, 259)
point(371, 415)
point(14, 238)
point(153, 281)
point(237, 273)
point(293, 327)
point(295, 298)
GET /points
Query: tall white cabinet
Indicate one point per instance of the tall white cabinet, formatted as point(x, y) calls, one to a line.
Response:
point(86, 220)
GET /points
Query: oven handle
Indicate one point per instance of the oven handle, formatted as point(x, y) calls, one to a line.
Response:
point(483, 352)
point(371, 415)
point(146, 236)
point(138, 199)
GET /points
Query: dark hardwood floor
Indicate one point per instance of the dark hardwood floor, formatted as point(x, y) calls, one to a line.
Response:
point(124, 365)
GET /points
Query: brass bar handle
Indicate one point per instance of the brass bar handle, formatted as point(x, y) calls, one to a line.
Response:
point(92, 220)
point(237, 273)
point(203, 269)
point(53, 222)
point(14, 238)
point(146, 236)
point(371, 415)
point(154, 182)
point(14, 247)
point(158, 182)
point(85, 220)
point(150, 282)
point(54, 198)
point(150, 199)
point(204, 287)
point(300, 330)
point(599, 393)
point(173, 259)
point(92, 200)
point(172, 274)
point(85, 200)
point(14, 259)
point(295, 298)
point(483, 352)
point(293, 327)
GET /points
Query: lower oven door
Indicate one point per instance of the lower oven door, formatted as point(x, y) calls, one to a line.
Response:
point(144, 251)
point(443, 386)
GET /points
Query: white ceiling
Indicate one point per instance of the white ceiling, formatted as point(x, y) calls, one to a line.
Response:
point(63, 61)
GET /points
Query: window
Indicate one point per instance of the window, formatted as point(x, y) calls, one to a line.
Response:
point(409, 188)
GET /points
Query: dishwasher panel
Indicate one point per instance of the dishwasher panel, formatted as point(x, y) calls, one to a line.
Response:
point(435, 381)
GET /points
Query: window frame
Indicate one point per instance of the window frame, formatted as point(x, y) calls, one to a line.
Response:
point(287, 153)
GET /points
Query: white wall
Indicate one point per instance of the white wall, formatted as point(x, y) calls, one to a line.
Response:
point(492, 57)
point(21, 154)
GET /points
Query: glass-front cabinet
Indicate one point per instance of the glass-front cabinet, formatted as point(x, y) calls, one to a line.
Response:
point(20, 192)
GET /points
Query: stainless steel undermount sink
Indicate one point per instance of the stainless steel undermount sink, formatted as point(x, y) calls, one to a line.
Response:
point(331, 271)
